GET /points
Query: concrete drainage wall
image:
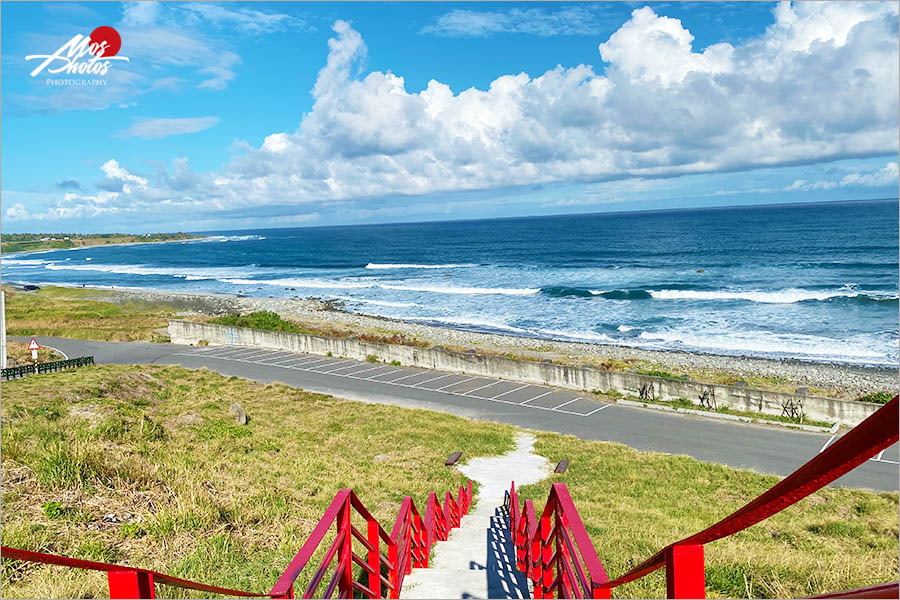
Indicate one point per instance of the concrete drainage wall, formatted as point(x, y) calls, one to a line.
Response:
point(584, 378)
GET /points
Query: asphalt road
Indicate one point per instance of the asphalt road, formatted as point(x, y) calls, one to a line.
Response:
point(762, 448)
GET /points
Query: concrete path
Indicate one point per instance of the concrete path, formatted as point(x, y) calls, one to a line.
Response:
point(478, 560)
point(764, 449)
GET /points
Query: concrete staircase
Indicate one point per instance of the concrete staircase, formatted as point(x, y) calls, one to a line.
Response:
point(479, 559)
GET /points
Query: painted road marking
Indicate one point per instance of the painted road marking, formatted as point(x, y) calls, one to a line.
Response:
point(536, 397)
point(340, 364)
point(482, 387)
point(412, 386)
point(456, 383)
point(434, 379)
point(875, 458)
point(515, 389)
point(567, 403)
point(828, 443)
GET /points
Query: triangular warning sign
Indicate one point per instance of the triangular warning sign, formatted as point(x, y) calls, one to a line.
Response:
point(33, 345)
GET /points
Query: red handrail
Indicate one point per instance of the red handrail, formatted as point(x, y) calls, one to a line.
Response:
point(408, 546)
point(561, 536)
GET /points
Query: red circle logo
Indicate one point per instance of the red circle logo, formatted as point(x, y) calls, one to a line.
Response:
point(108, 35)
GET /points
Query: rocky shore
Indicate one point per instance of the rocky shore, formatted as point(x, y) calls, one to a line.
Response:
point(831, 379)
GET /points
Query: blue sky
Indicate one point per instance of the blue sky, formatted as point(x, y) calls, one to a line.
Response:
point(241, 115)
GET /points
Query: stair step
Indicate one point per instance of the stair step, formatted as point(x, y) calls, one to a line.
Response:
point(466, 583)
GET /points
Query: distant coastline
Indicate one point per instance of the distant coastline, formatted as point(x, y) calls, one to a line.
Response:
point(91, 242)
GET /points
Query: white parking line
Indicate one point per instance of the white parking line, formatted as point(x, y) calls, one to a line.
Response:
point(231, 351)
point(515, 389)
point(353, 365)
point(482, 387)
point(828, 443)
point(407, 377)
point(274, 360)
point(367, 370)
point(256, 355)
point(312, 362)
point(538, 396)
point(434, 379)
point(372, 378)
point(397, 378)
point(879, 455)
point(569, 402)
point(326, 368)
point(443, 387)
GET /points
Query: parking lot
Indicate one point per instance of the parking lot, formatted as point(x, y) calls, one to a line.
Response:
point(536, 397)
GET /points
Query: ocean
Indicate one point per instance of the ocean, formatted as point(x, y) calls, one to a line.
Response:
point(813, 281)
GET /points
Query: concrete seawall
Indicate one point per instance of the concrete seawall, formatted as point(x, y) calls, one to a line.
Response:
point(586, 378)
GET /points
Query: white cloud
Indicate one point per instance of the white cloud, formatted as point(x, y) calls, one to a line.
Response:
point(569, 20)
point(150, 129)
point(886, 176)
point(821, 84)
point(246, 20)
point(589, 201)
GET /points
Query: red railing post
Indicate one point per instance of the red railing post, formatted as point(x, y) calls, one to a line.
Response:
point(374, 558)
point(421, 559)
point(546, 554)
point(562, 580)
point(536, 569)
point(345, 554)
point(394, 575)
point(130, 584)
point(685, 576)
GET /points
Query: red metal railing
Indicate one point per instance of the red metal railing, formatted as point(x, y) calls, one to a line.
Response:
point(355, 562)
point(557, 554)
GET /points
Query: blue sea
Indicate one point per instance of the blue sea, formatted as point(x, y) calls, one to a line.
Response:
point(814, 281)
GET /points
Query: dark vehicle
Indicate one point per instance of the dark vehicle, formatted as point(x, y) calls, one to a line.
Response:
point(30, 288)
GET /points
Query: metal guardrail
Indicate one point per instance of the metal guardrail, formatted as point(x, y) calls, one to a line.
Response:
point(556, 553)
point(47, 367)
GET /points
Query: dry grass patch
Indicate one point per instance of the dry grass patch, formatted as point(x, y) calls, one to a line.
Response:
point(634, 503)
point(82, 314)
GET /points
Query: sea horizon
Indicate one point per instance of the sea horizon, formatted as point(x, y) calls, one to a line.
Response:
point(774, 281)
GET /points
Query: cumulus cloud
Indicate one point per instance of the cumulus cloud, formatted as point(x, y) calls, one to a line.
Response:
point(68, 184)
point(886, 176)
point(821, 84)
point(149, 129)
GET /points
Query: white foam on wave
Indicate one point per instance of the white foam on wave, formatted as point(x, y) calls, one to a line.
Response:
point(344, 284)
point(378, 302)
point(180, 273)
point(229, 238)
point(23, 261)
point(766, 343)
point(439, 289)
point(786, 296)
point(475, 322)
point(416, 266)
point(585, 335)
point(624, 328)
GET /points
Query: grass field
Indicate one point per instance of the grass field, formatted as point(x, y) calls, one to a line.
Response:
point(82, 314)
point(634, 503)
point(145, 466)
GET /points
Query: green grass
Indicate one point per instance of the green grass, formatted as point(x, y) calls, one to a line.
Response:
point(198, 496)
point(82, 314)
point(193, 493)
point(634, 503)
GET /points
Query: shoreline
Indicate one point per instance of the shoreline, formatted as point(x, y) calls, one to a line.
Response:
point(839, 380)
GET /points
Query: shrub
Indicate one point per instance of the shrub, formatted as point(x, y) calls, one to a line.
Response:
point(263, 319)
point(876, 397)
point(371, 358)
point(395, 363)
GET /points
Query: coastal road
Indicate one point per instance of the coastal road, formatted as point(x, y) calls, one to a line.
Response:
point(762, 448)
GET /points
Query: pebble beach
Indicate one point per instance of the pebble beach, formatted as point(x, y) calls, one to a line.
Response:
point(838, 380)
